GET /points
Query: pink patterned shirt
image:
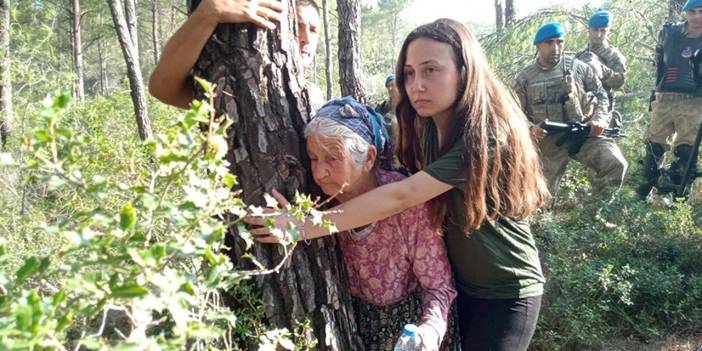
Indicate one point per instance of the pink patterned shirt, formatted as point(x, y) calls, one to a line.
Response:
point(390, 259)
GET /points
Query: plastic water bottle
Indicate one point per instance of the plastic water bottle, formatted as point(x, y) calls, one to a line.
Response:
point(409, 341)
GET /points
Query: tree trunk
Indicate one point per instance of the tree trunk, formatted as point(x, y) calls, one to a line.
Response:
point(77, 50)
point(5, 76)
point(394, 35)
point(350, 67)
point(510, 13)
point(101, 61)
point(173, 17)
point(257, 87)
point(131, 58)
point(103, 69)
point(155, 31)
point(499, 17)
point(132, 24)
point(674, 8)
point(327, 50)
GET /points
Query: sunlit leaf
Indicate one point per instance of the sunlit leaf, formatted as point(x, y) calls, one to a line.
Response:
point(127, 217)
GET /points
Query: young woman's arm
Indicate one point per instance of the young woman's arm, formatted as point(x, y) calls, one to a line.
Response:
point(170, 81)
point(377, 204)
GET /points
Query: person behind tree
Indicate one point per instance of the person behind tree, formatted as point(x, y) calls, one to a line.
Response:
point(397, 267)
point(554, 87)
point(677, 109)
point(610, 63)
point(171, 81)
point(467, 143)
point(387, 110)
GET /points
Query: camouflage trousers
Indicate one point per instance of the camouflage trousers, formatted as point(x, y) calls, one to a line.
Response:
point(601, 155)
point(675, 120)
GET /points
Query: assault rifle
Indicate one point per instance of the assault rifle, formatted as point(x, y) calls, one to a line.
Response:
point(575, 134)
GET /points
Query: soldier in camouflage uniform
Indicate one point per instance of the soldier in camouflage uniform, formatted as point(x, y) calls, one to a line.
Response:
point(556, 87)
point(677, 109)
point(608, 62)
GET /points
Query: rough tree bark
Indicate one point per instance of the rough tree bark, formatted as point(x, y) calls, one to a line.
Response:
point(131, 58)
point(77, 50)
point(499, 17)
point(259, 89)
point(350, 67)
point(5, 78)
point(327, 49)
point(510, 13)
point(155, 28)
point(130, 14)
point(674, 7)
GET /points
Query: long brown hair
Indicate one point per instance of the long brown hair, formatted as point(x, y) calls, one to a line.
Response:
point(503, 172)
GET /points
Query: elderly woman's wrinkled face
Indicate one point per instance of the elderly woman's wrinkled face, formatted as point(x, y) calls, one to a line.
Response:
point(332, 167)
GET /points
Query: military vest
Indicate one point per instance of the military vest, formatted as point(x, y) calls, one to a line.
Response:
point(678, 50)
point(553, 94)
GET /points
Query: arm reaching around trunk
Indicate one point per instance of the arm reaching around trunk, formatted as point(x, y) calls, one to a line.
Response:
point(170, 81)
point(379, 203)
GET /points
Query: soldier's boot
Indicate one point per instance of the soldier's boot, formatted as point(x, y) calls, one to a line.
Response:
point(672, 179)
point(651, 171)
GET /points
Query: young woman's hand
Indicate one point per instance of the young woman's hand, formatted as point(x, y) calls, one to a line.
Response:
point(263, 13)
point(262, 233)
point(430, 339)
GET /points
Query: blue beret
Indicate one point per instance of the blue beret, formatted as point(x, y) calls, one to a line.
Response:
point(692, 4)
point(389, 79)
point(549, 31)
point(600, 19)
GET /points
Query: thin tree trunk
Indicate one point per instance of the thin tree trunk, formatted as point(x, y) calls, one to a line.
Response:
point(155, 31)
point(5, 76)
point(393, 37)
point(72, 48)
point(132, 24)
point(350, 67)
point(77, 50)
point(499, 17)
point(258, 88)
point(103, 69)
point(101, 60)
point(131, 58)
point(674, 8)
point(510, 13)
point(327, 49)
point(173, 17)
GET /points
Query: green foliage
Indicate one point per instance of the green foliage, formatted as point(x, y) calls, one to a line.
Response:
point(622, 269)
point(133, 262)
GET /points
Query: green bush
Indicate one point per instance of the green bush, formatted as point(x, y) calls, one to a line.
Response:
point(619, 270)
point(122, 248)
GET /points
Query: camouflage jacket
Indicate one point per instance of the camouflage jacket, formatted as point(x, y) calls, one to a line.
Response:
point(557, 96)
point(613, 70)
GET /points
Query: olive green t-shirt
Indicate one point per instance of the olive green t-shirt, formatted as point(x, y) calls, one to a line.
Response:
point(497, 261)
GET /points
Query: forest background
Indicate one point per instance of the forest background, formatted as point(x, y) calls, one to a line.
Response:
point(107, 242)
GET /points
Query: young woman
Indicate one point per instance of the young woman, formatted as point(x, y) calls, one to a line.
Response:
point(397, 267)
point(467, 142)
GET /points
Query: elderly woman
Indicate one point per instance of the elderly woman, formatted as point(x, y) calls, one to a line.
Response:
point(397, 267)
